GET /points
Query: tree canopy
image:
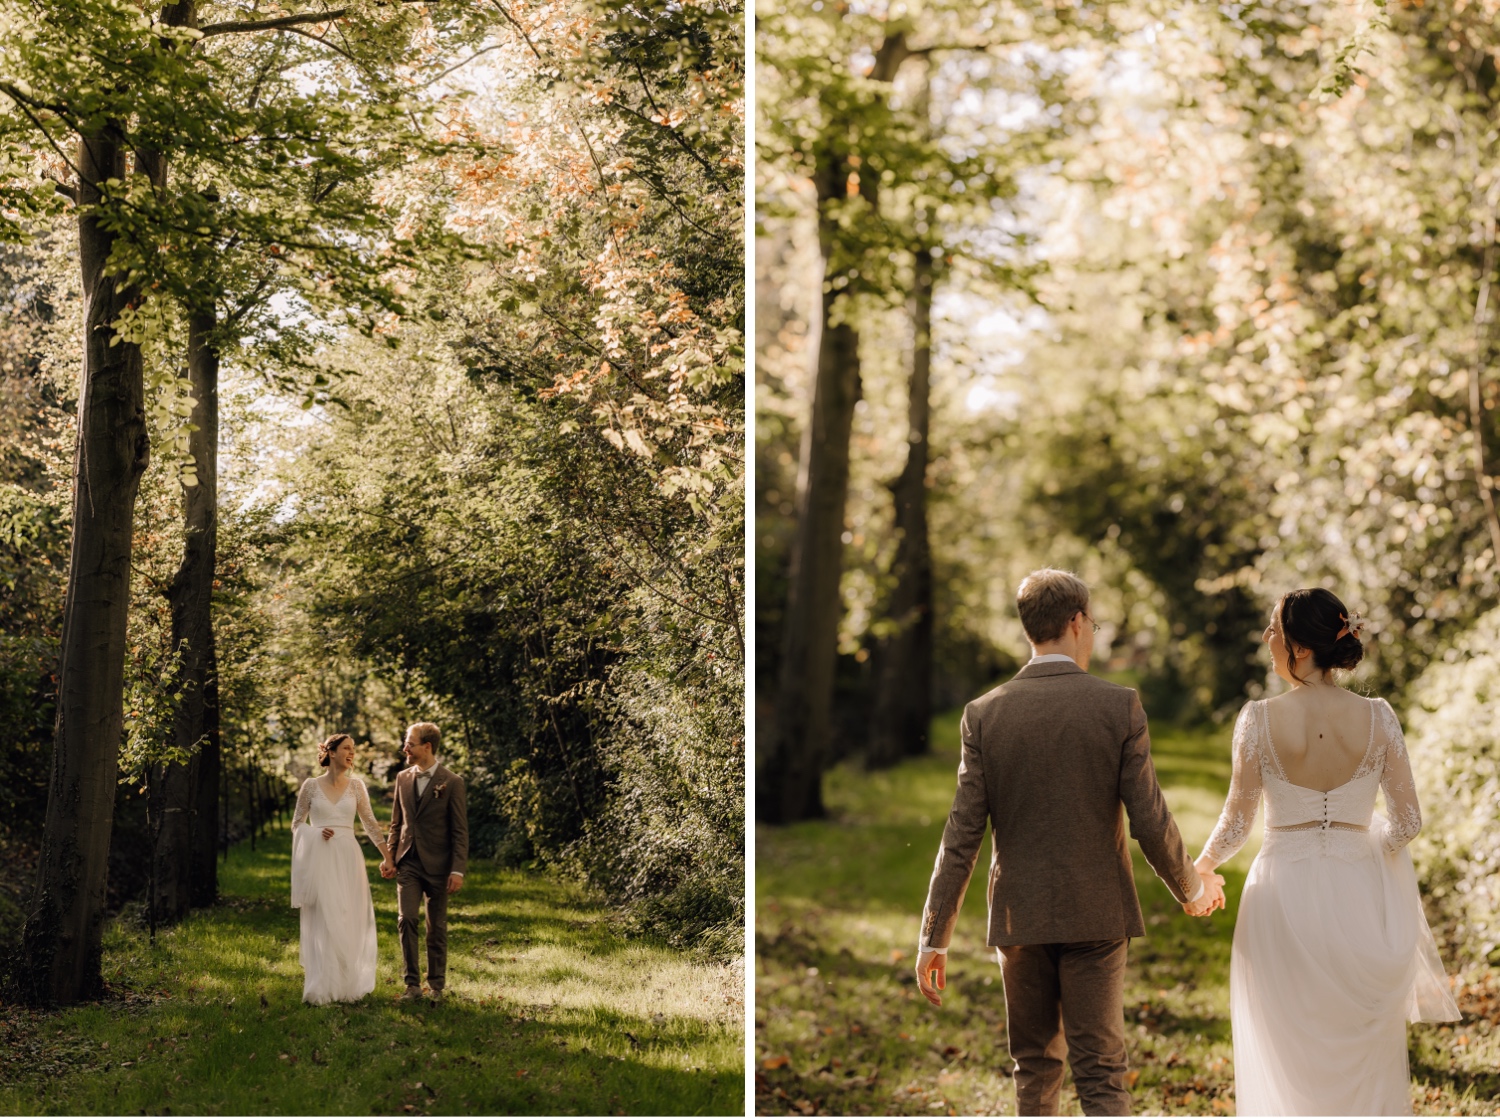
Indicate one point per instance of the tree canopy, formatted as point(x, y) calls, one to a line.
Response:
point(474, 277)
point(1242, 340)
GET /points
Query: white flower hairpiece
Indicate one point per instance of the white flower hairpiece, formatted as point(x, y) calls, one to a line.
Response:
point(1354, 625)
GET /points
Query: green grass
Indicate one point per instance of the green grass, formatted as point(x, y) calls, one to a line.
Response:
point(549, 1011)
point(842, 1029)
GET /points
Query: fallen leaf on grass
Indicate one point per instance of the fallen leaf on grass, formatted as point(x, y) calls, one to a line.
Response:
point(771, 1063)
point(1221, 1105)
point(1132, 1077)
point(897, 955)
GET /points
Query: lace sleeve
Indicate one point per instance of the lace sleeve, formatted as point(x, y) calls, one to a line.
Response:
point(1238, 817)
point(304, 802)
point(366, 813)
point(1403, 812)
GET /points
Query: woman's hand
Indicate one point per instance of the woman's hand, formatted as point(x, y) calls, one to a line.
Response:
point(327, 833)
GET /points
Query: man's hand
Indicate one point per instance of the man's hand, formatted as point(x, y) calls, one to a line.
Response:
point(1212, 897)
point(932, 975)
point(327, 833)
point(455, 882)
point(387, 870)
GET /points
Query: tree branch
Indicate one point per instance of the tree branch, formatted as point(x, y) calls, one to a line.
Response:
point(512, 21)
point(461, 64)
point(247, 26)
point(322, 41)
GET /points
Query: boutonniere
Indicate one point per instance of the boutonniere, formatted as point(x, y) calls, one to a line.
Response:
point(438, 791)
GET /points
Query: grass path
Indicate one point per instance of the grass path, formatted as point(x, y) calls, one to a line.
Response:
point(841, 1028)
point(549, 1012)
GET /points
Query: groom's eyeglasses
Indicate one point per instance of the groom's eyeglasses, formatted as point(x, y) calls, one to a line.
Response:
point(1091, 621)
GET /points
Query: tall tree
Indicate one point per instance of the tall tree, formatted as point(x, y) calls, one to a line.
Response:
point(902, 707)
point(185, 790)
point(64, 931)
point(143, 95)
point(789, 769)
point(881, 175)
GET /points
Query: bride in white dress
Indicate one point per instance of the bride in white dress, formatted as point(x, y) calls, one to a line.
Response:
point(330, 882)
point(1332, 953)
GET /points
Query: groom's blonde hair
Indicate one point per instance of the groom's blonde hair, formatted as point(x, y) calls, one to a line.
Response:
point(1047, 601)
point(426, 733)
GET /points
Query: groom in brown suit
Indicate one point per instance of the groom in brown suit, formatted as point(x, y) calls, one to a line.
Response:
point(1048, 760)
point(428, 854)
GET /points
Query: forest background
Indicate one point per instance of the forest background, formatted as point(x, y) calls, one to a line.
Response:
point(459, 289)
point(1197, 300)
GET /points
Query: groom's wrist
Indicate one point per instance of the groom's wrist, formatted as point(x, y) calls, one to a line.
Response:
point(1196, 893)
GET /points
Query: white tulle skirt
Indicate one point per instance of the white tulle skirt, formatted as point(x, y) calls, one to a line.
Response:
point(331, 886)
point(1332, 956)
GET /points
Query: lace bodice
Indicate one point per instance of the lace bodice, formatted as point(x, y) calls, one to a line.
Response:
point(1257, 771)
point(315, 808)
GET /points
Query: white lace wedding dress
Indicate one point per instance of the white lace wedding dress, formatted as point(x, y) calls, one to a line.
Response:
point(331, 885)
point(1332, 954)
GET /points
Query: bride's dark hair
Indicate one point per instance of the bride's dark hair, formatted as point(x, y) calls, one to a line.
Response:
point(330, 747)
point(1312, 619)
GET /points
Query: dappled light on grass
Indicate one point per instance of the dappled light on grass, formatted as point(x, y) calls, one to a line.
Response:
point(842, 1029)
point(549, 1010)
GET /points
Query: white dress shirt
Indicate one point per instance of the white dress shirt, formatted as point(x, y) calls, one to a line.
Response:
point(424, 777)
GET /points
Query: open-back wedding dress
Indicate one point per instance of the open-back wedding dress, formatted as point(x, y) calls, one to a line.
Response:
point(1332, 953)
point(331, 885)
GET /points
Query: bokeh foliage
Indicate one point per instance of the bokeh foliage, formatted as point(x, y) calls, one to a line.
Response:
point(481, 426)
point(1245, 344)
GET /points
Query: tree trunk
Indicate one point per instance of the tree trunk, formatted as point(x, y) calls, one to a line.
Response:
point(204, 880)
point(902, 709)
point(62, 938)
point(789, 772)
point(789, 781)
point(190, 594)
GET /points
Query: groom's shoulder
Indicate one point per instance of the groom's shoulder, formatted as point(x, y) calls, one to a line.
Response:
point(1078, 685)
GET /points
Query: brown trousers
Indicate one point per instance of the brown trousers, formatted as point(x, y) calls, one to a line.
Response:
point(1077, 989)
point(413, 884)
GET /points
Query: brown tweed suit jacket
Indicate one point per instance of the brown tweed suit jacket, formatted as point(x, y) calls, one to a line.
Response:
point(1049, 759)
point(438, 826)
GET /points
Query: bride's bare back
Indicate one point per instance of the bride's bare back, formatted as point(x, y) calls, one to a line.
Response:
point(1321, 734)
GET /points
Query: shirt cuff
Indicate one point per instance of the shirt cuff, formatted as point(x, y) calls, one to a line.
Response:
point(1197, 892)
point(922, 949)
point(454, 873)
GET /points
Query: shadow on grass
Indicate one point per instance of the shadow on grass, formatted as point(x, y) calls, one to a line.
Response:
point(549, 1011)
point(841, 1028)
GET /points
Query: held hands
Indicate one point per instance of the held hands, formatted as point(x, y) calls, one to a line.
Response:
point(932, 975)
point(387, 869)
point(1212, 897)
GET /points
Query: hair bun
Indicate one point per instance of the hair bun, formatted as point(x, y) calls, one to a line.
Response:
point(1316, 620)
point(1346, 653)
